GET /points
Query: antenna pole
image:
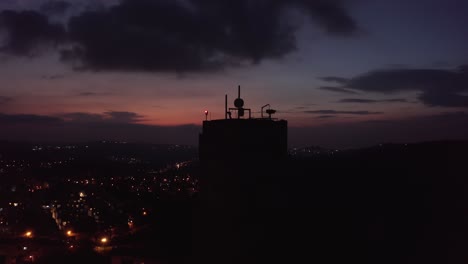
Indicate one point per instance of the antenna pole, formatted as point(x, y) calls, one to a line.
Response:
point(264, 107)
point(225, 107)
point(238, 92)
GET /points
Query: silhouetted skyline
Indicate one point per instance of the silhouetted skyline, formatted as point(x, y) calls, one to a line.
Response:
point(343, 73)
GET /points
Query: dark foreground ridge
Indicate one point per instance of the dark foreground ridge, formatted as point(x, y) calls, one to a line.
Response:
point(386, 204)
point(393, 203)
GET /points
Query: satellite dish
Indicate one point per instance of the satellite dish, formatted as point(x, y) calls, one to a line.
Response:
point(270, 112)
point(239, 103)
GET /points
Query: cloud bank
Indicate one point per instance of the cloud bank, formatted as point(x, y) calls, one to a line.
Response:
point(437, 87)
point(169, 35)
point(73, 127)
point(124, 126)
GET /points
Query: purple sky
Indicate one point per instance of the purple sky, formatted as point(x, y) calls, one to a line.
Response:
point(343, 73)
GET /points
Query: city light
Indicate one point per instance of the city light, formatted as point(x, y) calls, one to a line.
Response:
point(104, 240)
point(28, 234)
point(69, 233)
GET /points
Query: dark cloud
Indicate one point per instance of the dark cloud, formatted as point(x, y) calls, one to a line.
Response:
point(5, 99)
point(395, 100)
point(301, 107)
point(438, 87)
point(427, 80)
point(27, 32)
point(83, 117)
point(53, 77)
point(107, 117)
point(194, 35)
point(445, 126)
point(336, 112)
point(444, 99)
point(92, 94)
point(87, 94)
point(339, 80)
point(330, 15)
point(337, 90)
point(28, 119)
point(87, 127)
point(55, 7)
point(370, 101)
point(123, 117)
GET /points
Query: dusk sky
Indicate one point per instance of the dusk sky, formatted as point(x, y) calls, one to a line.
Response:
point(343, 73)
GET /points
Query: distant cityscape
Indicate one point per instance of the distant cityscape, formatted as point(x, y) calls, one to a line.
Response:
point(123, 202)
point(94, 194)
point(73, 194)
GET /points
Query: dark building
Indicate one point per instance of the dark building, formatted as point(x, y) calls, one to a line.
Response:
point(242, 139)
point(249, 147)
point(241, 158)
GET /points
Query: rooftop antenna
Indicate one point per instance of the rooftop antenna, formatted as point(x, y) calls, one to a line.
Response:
point(270, 112)
point(239, 104)
point(264, 107)
point(226, 107)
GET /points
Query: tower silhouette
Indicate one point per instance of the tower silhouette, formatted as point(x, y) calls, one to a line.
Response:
point(240, 157)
